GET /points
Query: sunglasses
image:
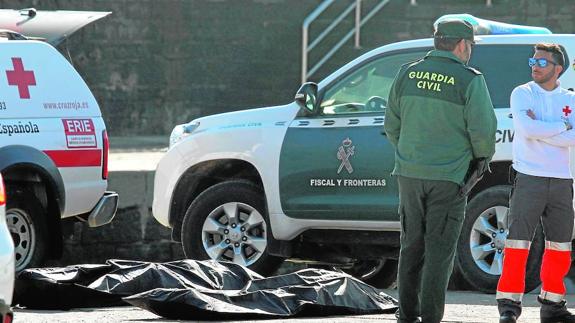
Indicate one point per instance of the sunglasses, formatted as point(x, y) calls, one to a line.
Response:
point(541, 62)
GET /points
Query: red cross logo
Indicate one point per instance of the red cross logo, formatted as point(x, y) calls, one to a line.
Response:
point(21, 78)
point(566, 110)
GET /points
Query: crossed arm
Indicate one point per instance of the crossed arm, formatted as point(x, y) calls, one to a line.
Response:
point(524, 120)
point(564, 139)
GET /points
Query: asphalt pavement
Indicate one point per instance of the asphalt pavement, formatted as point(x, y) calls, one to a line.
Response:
point(461, 307)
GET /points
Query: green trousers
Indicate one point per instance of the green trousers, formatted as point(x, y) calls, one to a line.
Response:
point(431, 214)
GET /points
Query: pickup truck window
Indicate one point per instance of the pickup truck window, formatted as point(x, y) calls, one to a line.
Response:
point(504, 68)
point(365, 90)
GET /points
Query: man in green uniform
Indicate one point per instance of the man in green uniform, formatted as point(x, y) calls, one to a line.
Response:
point(439, 118)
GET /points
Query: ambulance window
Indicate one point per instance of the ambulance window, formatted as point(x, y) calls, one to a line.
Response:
point(365, 90)
point(504, 67)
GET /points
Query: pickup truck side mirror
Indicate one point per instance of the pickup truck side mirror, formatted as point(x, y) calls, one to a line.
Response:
point(306, 97)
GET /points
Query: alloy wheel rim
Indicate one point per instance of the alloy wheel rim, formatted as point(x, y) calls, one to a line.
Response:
point(235, 232)
point(487, 239)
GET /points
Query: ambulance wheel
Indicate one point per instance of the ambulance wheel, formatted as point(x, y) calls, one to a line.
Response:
point(229, 222)
point(480, 248)
point(381, 273)
point(26, 220)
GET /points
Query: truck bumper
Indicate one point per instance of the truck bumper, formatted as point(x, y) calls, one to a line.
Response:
point(104, 211)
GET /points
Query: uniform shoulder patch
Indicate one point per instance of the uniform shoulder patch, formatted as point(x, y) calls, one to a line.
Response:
point(475, 71)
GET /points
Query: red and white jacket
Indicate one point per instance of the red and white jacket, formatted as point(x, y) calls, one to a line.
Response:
point(541, 146)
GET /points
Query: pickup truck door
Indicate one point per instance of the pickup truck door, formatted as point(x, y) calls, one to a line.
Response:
point(337, 165)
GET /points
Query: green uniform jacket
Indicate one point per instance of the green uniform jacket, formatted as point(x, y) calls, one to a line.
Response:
point(439, 117)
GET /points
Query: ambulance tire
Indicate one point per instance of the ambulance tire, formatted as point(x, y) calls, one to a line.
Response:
point(380, 273)
point(475, 276)
point(247, 199)
point(26, 218)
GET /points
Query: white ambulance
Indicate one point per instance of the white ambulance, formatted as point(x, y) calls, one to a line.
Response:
point(53, 141)
point(311, 179)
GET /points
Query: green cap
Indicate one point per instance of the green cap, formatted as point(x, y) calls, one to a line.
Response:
point(454, 28)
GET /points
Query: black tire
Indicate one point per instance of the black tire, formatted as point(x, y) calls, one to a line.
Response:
point(474, 272)
point(377, 273)
point(26, 220)
point(246, 197)
point(457, 282)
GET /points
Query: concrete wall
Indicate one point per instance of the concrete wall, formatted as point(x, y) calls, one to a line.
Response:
point(133, 234)
point(153, 64)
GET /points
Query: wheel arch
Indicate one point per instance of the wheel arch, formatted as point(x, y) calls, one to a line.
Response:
point(23, 165)
point(201, 176)
point(499, 175)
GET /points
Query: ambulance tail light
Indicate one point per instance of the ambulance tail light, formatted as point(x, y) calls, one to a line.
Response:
point(106, 146)
point(2, 192)
point(8, 318)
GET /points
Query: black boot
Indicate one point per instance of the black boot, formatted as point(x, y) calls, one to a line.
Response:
point(508, 317)
point(509, 310)
point(416, 320)
point(555, 312)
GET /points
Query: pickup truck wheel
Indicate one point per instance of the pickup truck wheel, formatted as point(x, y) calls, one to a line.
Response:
point(481, 243)
point(26, 220)
point(380, 273)
point(229, 222)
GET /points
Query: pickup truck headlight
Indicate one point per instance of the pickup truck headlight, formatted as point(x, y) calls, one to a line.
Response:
point(181, 131)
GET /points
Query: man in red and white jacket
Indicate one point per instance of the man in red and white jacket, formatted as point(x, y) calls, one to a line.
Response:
point(543, 189)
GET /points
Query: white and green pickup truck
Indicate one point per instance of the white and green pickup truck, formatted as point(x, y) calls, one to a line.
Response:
point(311, 180)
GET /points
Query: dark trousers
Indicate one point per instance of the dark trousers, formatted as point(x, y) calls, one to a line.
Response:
point(431, 214)
point(547, 200)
